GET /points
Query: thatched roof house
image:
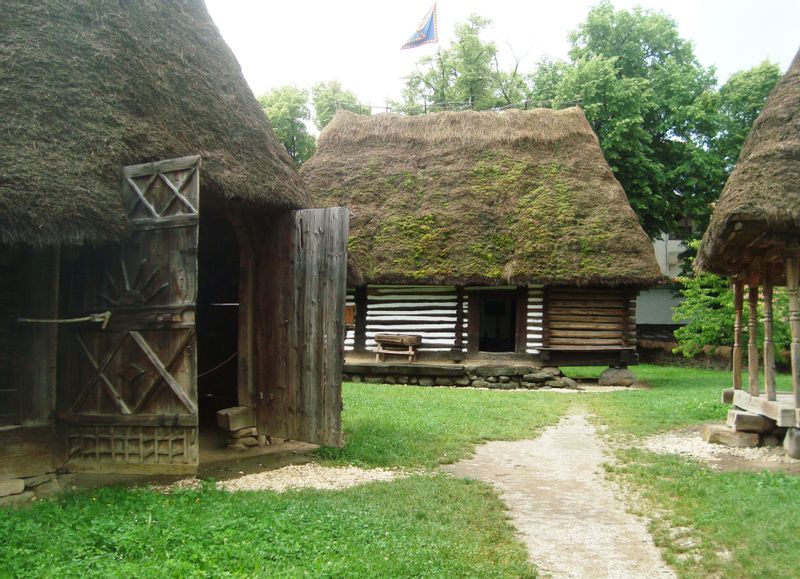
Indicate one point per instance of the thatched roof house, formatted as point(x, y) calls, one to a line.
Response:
point(514, 197)
point(497, 214)
point(150, 236)
point(86, 88)
point(763, 192)
point(754, 238)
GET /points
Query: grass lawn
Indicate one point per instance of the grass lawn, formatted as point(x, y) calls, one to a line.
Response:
point(741, 524)
point(411, 426)
point(425, 525)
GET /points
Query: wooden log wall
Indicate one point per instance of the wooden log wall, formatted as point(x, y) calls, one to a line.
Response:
point(535, 320)
point(428, 311)
point(590, 317)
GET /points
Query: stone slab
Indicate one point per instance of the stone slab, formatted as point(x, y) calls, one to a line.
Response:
point(726, 436)
point(791, 442)
point(616, 377)
point(249, 431)
point(11, 486)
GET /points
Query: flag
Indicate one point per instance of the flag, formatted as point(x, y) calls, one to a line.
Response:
point(427, 31)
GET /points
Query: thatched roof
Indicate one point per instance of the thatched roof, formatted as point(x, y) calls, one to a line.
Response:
point(87, 87)
point(480, 198)
point(763, 192)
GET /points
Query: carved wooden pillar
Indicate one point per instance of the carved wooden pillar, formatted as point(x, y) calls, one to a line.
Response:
point(769, 348)
point(738, 302)
point(792, 282)
point(752, 343)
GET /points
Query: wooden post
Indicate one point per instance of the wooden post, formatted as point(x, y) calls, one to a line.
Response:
point(458, 343)
point(360, 334)
point(521, 326)
point(792, 282)
point(752, 343)
point(769, 348)
point(473, 322)
point(738, 302)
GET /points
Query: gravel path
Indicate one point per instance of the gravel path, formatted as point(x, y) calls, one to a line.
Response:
point(563, 508)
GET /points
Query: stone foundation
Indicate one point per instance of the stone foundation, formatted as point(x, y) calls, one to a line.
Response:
point(21, 490)
point(494, 376)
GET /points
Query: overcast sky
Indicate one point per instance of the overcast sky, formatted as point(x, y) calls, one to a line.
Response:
point(358, 42)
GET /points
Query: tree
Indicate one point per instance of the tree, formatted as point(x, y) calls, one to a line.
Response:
point(741, 99)
point(328, 97)
point(287, 109)
point(646, 96)
point(463, 76)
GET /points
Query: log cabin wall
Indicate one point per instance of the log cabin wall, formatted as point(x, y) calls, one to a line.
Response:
point(590, 317)
point(430, 311)
point(534, 319)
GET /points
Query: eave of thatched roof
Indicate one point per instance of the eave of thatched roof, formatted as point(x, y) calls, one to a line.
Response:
point(763, 192)
point(480, 198)
point(87, 87)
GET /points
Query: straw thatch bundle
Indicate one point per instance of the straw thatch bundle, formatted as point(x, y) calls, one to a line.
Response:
point(763, 191)
point(87, 87)
point(480, 198)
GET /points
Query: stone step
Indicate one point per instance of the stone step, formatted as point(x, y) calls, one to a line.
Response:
point(727, 436)
point(743, 421)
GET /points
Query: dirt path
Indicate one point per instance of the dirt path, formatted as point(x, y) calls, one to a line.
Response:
point(564, 509)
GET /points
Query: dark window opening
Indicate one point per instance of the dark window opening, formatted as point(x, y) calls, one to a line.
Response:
point(497, 324)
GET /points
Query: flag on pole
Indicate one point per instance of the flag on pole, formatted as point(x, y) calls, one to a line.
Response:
point(427, 32)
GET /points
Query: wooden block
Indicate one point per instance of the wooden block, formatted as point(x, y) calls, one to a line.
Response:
point(723, 434)
point(236, 418)
point(250, 431)
point(727, 396)
point(742, 421)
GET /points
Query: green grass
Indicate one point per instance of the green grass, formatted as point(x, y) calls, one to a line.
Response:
point(431, 526)
point(678, 397)
point(742, 524)
point(421, 427)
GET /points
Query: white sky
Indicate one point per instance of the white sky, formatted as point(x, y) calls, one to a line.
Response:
point(358, 42)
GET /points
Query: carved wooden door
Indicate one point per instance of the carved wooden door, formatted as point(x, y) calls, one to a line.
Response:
point(128, 391)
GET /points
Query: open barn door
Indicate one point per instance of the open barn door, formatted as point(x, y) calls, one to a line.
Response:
point(305, 280)
point(128, 383)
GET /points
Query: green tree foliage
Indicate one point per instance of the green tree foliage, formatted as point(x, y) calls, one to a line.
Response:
point(741, 99)
point(462, 76)
point(328, 97)
point(708, 312)
point(648, 99)
point(287, 109)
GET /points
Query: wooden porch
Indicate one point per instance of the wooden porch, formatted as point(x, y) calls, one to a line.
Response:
point(782, 407)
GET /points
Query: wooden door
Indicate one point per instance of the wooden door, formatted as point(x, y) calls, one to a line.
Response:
point(128, 391)
point(300, 326)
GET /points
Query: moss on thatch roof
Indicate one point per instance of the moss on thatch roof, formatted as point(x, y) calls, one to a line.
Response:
point(763, 192)
point(480, 198)
point(87, 87)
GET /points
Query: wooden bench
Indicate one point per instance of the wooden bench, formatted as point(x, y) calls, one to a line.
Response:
point(397, 344)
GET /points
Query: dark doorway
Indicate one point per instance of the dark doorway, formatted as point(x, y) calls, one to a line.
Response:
point(217, 312)
point(497, 323)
